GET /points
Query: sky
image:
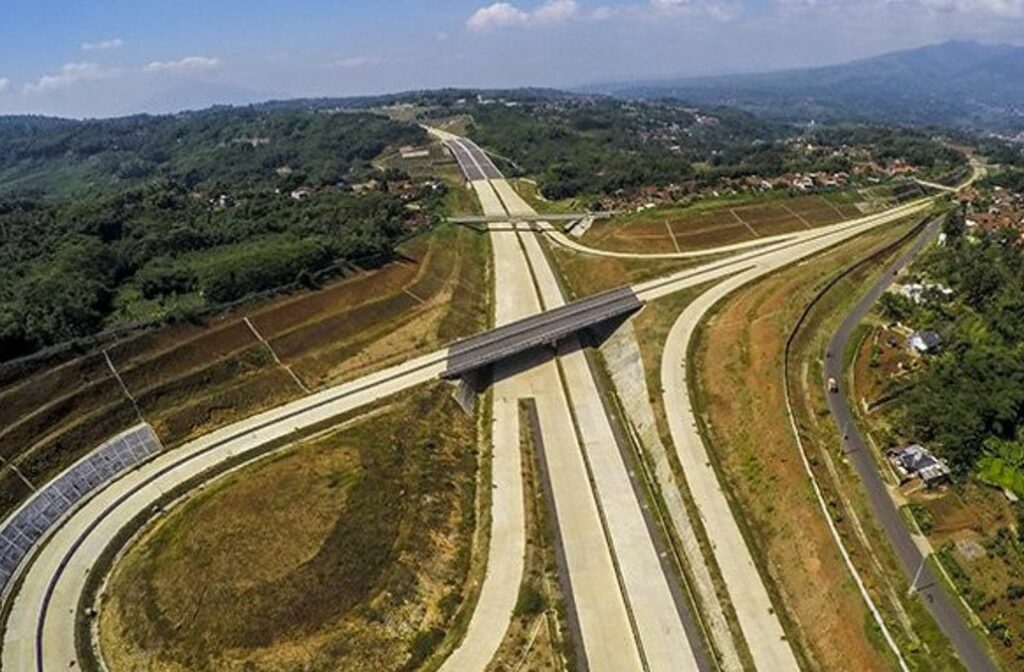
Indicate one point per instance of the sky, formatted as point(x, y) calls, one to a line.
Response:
point(112, 57)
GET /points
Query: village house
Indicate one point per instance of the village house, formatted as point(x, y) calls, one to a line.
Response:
point(301, 194)
point(919, 292)
point(915, 461)
point(924, 342)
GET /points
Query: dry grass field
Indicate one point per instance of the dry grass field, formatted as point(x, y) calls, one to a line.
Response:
point(666, 230)
point(349, 551)
point(191, 378)
point(738, 360)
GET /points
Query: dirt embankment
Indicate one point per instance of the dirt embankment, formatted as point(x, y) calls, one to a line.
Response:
point(739, 357)
point(189, 379)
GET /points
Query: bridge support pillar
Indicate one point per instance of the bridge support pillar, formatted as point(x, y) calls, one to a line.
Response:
point(469, 387)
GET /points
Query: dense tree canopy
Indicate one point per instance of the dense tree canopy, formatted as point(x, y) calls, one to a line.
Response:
point(973, 391)
point(141, 217)
point(214, 149)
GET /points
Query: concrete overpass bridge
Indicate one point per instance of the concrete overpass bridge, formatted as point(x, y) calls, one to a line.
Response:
point(548, 328)
point(553, 217)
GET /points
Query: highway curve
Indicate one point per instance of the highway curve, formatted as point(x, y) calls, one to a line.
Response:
point(919, 574)
point(757, 617)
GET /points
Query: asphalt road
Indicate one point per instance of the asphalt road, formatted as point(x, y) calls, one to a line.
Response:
point(924, 582)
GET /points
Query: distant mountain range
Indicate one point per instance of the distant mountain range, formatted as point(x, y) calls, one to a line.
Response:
point(960, 84)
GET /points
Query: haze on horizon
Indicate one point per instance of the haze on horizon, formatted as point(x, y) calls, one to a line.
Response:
point(118, 57)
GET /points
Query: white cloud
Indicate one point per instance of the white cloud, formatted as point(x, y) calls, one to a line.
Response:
point(353, 62)
point(1008, 8)
point(187, 64)
point(498, 15)
point(103, 45)
point(4, 83)
point(555, 11)
point(507, 15)
point(69, 75)
point(723, 10)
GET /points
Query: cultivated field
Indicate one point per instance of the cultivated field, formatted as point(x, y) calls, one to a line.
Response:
point(711, 224)
point(586, 274)
point(349, 551)
point(189, 379)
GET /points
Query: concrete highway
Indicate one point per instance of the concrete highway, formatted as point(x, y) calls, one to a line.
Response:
point(659, 622)
point(626, 612)
point(628, 619)
point(608, 630)
point(758, 621)
point(923, 580)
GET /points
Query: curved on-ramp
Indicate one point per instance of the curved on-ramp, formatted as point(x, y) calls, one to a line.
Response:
point(757, 616)
point(40, 630)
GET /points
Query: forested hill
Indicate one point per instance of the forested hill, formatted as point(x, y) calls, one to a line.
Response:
point(953, 84)
point(114, 222)
point(601, 146)
point(250, 146)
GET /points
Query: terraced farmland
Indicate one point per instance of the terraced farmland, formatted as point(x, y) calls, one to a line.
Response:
point(189, 379)
point(670, 229)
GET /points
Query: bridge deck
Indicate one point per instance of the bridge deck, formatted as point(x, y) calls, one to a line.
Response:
point(537, 217)
point(548, 327)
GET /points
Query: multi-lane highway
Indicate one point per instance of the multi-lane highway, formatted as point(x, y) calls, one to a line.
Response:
point(627, 611)
point(627, 614)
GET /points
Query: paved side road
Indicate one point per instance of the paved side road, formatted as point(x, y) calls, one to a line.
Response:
point(926, 584)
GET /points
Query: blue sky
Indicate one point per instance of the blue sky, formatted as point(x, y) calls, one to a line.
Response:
point(107, 57)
